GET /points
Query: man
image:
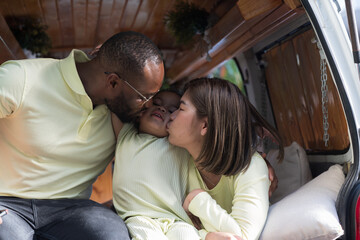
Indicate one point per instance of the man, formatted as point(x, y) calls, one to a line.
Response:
point(56, 135)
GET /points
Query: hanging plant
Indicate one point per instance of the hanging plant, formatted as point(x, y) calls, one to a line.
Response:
point(31, 34)
point(185, 21)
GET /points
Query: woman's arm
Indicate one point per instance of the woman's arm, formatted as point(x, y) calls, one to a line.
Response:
point(249, 210)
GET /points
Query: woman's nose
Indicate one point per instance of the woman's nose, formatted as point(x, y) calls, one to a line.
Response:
point(173, 115)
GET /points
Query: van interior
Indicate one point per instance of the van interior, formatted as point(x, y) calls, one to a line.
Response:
point(271, 49)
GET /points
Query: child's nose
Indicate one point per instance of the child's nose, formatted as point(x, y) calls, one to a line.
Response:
point(162, 108)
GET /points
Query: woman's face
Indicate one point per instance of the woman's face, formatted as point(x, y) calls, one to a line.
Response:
point(185, 128)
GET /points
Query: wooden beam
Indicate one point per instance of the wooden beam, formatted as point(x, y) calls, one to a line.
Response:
point(229, 36)
point(293, 4)
point(251, 8)
point(192, 59)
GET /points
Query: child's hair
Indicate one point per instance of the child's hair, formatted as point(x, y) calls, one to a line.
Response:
point(230, 140)
point(172, 89)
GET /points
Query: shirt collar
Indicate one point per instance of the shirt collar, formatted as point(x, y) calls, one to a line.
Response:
point(69, 71)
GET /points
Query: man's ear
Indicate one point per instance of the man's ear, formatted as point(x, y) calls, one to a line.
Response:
point(112, 80)
point(204, 126)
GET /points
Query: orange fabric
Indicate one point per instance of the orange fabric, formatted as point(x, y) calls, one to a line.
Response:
point(102, 188)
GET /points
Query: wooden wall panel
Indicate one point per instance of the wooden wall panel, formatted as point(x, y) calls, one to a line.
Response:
point(294, 87)
point(278, 85)
point(309, 56)
point(293, 78)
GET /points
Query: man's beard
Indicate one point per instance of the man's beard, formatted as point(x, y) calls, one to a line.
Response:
point(121, 107)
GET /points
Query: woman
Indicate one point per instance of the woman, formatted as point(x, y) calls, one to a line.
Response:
point(228, 180)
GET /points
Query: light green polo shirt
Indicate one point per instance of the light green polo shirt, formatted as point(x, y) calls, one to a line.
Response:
point(53, 144)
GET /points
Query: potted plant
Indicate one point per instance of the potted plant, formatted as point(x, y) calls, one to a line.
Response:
point(31, 34)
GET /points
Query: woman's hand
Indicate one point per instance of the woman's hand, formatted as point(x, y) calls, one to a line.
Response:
point(195, 220)
point(221, 236)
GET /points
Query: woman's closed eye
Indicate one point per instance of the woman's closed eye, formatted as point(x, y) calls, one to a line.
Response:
point(172, 109)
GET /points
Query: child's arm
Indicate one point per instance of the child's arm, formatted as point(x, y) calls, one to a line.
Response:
point(117, 124)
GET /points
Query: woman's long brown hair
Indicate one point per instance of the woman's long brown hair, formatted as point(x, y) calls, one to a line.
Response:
point(231, 139)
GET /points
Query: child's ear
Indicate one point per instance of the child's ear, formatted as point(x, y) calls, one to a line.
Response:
point(204, 126)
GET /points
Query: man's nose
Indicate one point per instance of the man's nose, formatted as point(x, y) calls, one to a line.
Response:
point(147, 104)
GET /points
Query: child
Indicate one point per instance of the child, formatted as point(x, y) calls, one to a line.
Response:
point(150, 175)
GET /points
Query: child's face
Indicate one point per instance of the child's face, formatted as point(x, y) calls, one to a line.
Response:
point(154, 119)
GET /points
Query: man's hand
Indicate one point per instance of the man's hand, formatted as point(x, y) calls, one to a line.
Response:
point(272, 176)
point(221, 236)
point(0, 220)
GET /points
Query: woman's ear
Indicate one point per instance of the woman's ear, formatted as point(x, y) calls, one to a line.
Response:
point(204, 126)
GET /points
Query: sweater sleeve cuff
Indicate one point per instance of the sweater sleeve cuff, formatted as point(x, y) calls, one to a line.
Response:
point(198, 201)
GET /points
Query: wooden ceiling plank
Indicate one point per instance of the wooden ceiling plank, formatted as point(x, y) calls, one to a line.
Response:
point(50, 11)
point(80, 21)
point(18, 8)
point(103, 26)
point(136, 16)
point(65, 10)
point(117, 15)
point(129, 15)
point(293, 4)
point(250, 8)
point(157, 19)
point(91, 21)
point(33, 8)
point(145, 12)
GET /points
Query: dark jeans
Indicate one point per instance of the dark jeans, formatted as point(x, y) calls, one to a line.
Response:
point(59, 219)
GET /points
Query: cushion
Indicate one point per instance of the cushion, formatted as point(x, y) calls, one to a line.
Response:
point(293, 172)
point(308, 213)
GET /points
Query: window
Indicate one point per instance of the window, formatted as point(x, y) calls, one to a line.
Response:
point(229, 71)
